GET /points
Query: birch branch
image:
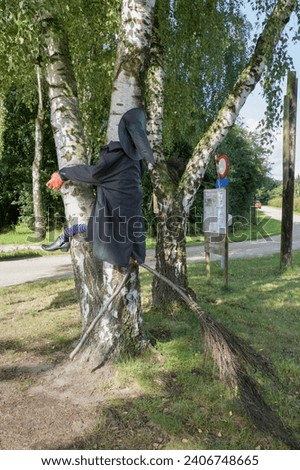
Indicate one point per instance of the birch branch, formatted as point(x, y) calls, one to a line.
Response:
point(247, 81)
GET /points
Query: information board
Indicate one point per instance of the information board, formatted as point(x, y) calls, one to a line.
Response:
point(215, 212)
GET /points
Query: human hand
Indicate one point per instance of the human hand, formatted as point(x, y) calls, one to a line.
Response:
point(55, 182)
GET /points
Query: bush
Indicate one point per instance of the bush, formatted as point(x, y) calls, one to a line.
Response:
point(275, 202)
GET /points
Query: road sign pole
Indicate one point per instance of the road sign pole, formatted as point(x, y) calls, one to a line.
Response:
point(226, 248)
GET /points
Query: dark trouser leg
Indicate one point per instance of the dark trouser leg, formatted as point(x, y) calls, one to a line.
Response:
point(63, 241)
point(72, 231)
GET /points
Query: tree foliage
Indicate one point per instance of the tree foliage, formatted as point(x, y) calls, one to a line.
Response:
point(91, 28)
point(16, 160)
point(269, 187)
point(249, 168)
point(278, 62)
point(204, 46)
point(248, 172)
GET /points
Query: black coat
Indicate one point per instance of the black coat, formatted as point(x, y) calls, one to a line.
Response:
point(116, 225)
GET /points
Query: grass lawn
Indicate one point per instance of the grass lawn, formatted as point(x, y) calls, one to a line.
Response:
point(241, 231)
point(181, 404)
point(23, 235)
point(277, 202)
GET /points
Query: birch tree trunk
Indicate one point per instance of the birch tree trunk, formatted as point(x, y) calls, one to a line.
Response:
point(170, 250)
point(119, 329)
point(70, 148)
point(132, 59)
point(174, 203)
point(128, 92)
point(39, 223)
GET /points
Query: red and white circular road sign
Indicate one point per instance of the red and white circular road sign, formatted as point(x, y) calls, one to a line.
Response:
point(222, 165)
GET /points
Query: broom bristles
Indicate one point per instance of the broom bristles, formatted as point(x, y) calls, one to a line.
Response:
point(232, 356)
point(260, 413)
point(228, 349)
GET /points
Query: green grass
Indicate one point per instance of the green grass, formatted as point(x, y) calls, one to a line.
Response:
point(181, 403)
point(241, 231)
point(38, 318)
point(190, 241)
point(18, 254)
point(264, 227)
point(277, 202)
point(23, 235)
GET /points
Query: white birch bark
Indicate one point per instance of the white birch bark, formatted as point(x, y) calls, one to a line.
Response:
point(70, 148)
point(132, 60)
point(155, 98)
point(155, 108)
point(128, 92)
point(39, 223)
point(67, 127)
point(227, 116)
point(170, 251)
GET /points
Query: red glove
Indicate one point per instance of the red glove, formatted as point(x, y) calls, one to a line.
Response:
point(56, 182)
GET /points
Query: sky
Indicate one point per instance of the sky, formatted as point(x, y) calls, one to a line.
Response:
point(253, 111)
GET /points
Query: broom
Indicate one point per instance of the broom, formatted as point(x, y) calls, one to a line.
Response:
point(232, 356)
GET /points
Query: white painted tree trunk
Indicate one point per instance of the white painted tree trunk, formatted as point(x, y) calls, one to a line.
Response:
point(39, 222)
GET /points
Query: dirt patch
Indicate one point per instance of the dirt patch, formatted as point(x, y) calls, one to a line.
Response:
point(46, 407)
point(46, 400)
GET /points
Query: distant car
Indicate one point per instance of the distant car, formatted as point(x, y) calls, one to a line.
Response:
point(258, 205)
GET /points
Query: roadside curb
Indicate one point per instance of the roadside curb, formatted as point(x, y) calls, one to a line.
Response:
point(11, 248)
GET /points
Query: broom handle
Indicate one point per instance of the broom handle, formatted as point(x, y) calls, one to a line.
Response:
point(178, 289)
point(100, 314)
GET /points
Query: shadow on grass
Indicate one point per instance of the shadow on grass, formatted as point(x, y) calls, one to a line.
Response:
point(11, 344)
point(123, 427)
point(63, 299)
point(172, 422)
point(18, 255)
point(53, 347)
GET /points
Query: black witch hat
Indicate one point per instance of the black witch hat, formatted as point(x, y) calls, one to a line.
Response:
point(133, 137)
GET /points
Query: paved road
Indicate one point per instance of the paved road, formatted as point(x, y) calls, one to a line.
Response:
point(57, 267)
